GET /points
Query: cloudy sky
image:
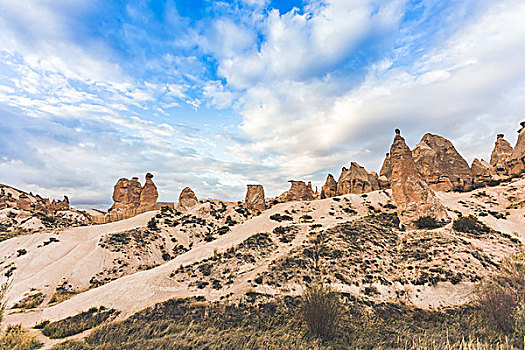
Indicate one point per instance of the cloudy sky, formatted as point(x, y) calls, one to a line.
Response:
point(216, 95)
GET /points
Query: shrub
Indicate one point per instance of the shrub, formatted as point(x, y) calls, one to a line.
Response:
point(470, 224)
point(428, 222)
point(78, 323)
point(152, 224)
point(279, 217)
point(320, 310)
point(17, 338)
point(30, 301)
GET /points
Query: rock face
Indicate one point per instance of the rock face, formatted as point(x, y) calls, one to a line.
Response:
point(187, 199)
point(297, 192)
point(129, 194)
point(23, 202)
point(61, 205)
point(483, 172)
point(413, 196)
point(149, 194)
point(255, 198)
point(442, 167)
point(356, 180)
point(501, 154)
point(329, 188)
point(516, 162)
point(385, 174)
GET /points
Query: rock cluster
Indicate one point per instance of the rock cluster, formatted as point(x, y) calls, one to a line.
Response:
point(500, 155)
point(254, 199)
point(129, 194)
point(356, 180)
point(187, 200)
point(413, 196)
point(516, 162)
point(440, 164)
point(11, 198)
point(482, 171)
point(297, 192)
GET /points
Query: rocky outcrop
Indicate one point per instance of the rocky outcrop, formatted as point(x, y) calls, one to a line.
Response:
point(297, 192)
point(442, 167)
point(187, 200)
point(255, 198)
point(24, 203)
point(61, 205)
point(329, 188)
point(149, 193)
point(483, 172)
point(356, 180)
point(385, 174)
point(516, 162)
point(413, 196)
point(500, 155)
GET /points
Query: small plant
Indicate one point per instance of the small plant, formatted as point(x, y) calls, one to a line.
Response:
point(30, 301)
point(278, 217)
point(320, 310)
point(152, 224)
point(470, 224)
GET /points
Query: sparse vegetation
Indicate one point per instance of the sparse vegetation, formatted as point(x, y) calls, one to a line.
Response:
point(280, 218)
point(428, 222)
point(30, 302)
point(320, 310)
point(470, 224)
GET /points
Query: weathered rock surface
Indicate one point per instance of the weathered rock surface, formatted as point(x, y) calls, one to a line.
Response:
point(329, 188)
point(483, 172)
point(255, 198)
point(413, 196)
point(149, 193)
point(187, 199)
point(516, 162)
point(126, 194)
point(385, 174)
point(61, 205)
point(297, 192)
point(501, 154)
point(442, 167)
point(356, 180)
point(23, 202)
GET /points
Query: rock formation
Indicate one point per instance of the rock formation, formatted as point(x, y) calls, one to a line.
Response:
point(483, 172)
point(149, 193)
point(297, 192)
point(187, 199)
point(501, 154)
point(61, 205)
point(516, 162)
point(23, 202)
point(329, 188)
point(413, 196)
point(356, 180)
point(129, 194)
point(385, 173)
point(442, 167)
point(255, 198)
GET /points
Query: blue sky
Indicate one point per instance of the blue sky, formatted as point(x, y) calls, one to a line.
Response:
point(218, 94)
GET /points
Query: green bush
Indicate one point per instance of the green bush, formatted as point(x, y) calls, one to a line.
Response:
point(470, 224)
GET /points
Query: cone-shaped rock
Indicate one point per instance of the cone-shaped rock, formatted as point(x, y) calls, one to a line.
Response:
point(501, 154)
point(187, 199)
point(356, 180)
point(255, 198)
point(516, 163)
point(385, 174)
point(413, 196)
point(297, 192)
point(149, 194)
point(483, 172)
point(442, 167)
point(329, 188)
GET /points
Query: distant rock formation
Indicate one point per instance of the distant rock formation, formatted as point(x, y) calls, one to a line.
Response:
point(329, 188)
point(297, 192)
point(516, 162)
point(385, 174)
point(149, 193)
point(413, 196)
point(187, 199)
point(483, 172)
point(129, 194)
point(27, 202)
point(255, 198)
point(310, 189)
point(501, 154)
point(356, 180)
point(61, 205)
point(23, 202)
point(442, 167)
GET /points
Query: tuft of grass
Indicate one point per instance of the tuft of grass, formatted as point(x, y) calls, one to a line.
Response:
point(470, 224)
point(17, 338)
point(30, 301)
point(321, 310)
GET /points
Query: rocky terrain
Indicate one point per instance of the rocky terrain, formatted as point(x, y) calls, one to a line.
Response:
point(423, 234)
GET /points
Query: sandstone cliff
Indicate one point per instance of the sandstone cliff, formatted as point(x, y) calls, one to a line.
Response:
point(501, 154)
point(255, 198)
point(329, 188)
point(356, 180)
point(297, 192)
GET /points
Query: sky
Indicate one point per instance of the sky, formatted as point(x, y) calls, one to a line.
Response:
point(216, 95)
